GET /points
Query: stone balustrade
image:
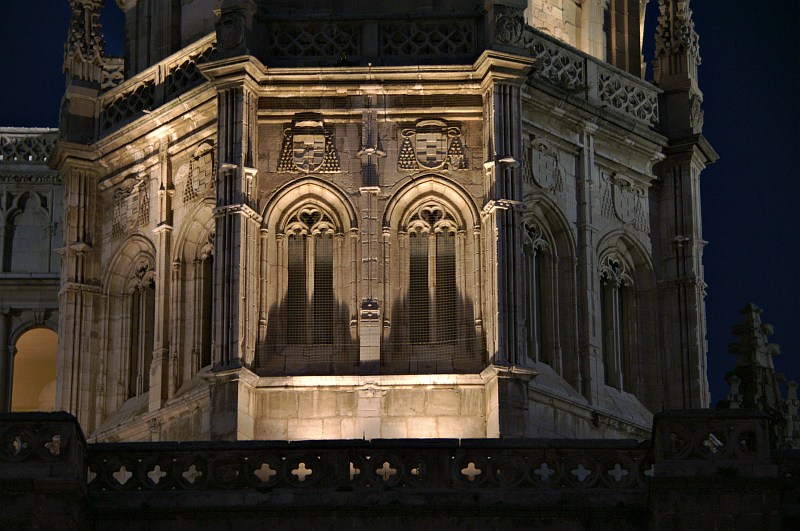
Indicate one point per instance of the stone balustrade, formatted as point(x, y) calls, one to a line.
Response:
point(586, 77)
point(707, 467)
point(409, 464)
point(154, 86)
point(26, 144)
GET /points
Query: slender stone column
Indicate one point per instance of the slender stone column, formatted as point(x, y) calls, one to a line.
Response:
point(238, 229)
point(159, 367)
point(679, 245)
point(588, 281)
point(501, 216)
point(5, 363)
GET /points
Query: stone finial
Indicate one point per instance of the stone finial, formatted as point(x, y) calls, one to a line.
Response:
point(83, 52)
point(753, 347)
point(675, 32)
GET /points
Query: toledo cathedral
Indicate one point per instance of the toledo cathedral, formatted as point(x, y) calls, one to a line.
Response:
point(345, 220)
point(391, 264)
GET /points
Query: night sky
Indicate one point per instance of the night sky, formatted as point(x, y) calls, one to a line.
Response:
point(750, 78)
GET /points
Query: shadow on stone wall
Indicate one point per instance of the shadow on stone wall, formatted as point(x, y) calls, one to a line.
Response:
point(292, 346)
point(452, 346)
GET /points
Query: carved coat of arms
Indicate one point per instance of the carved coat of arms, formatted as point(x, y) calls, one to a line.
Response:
point(625, 200)
point(432, 145)
point(308, 147)
point(540, 165)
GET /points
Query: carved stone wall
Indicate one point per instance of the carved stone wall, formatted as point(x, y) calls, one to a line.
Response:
point(409, 215)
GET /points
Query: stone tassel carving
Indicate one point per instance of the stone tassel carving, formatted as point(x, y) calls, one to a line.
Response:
point(83, 52)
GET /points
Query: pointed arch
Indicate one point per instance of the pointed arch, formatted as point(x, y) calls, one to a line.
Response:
point(432, 286)
point(309, 243)
point(549, 295)
point(193, 292)
point(631, 356)
point(129, 286)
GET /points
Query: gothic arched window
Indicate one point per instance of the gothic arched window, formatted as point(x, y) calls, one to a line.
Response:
point(537, 298)
point(432, 274)
point(309, 291)
point(141, 304)
point(616, 301)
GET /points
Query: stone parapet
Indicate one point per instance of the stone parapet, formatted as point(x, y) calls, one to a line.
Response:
point(50, 478)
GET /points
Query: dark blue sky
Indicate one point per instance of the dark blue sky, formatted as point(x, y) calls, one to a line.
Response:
point(751, 198)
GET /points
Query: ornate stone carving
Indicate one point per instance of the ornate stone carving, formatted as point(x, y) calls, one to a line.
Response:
point(557, 65)
point(628, 97)
point(614, 272)
point(113, 72)
point(230, 29)
point(83, 52)
point(541, 166)
point(624, 199)
point(26, 147)
point(202, 173)
point(128, 105)
point(675, 31)
point(308, 147)
point(697, 115)
point(312, 38)
point(424, 37)
point(533, 467)
point(509, 25)
point(186, 75)
point(432, 145)
point(119, 218)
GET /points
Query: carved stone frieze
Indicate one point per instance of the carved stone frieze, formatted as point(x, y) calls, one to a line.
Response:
point(432, 145)
point(308, 147)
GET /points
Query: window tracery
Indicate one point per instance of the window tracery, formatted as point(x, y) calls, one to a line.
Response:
point(616, 301)
point(432, 274)
point(310, 298)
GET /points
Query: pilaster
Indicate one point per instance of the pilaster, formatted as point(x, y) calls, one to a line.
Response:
point(159, 367)
point(588, 281)
point(5, 363)
point(370, 314)
point(79, 298)
point(502, 223)
point(238, 225)
point(678, 238)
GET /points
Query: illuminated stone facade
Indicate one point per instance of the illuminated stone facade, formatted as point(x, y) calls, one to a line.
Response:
point(383, 220)
point(31, 212)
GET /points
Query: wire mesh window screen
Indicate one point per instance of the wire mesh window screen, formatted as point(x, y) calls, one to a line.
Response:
point(207, 326)
point(296, 294)
point(418, 292)
point(308, 330)
point(323, 300)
